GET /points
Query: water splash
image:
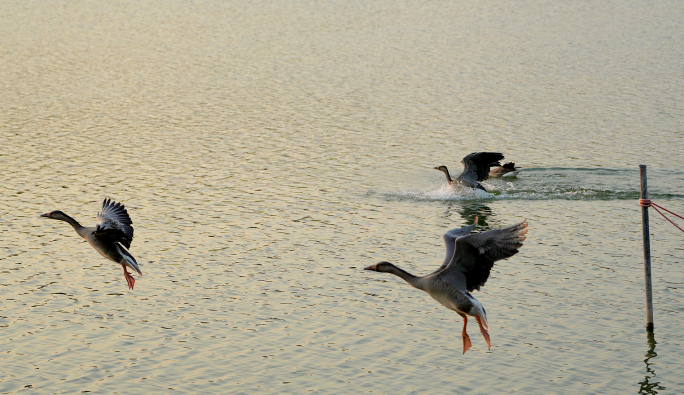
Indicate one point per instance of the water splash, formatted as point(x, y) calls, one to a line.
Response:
point(444, 193)
point(552, 184)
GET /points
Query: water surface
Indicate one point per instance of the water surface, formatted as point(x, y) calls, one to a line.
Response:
point(268, 151)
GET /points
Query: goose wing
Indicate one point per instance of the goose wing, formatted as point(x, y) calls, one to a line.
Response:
point(450, 241)
point(114, 223)
point(476, 166)
point(474, 255)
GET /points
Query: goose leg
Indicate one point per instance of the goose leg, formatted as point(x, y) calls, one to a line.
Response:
point(484, 332)
point(464, 335)
point(129, 279)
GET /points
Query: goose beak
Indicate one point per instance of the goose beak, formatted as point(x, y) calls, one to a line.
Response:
point(46, 215)
point(371, 267)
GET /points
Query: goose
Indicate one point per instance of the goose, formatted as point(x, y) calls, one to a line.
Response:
point(506, 170)
point(110, 237)
point(469, 259)
point(475, 169)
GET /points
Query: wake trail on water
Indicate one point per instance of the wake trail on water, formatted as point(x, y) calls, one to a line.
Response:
point(555, 183)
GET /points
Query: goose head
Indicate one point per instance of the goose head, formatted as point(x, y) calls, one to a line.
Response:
point(55, 215)
point(384, 267)
point(445, 171)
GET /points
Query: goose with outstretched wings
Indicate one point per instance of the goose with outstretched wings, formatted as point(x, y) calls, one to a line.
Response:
point(469, 260)
point(475, 169)
point(111, 237)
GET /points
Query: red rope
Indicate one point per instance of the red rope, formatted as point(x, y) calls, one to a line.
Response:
point(649, 203)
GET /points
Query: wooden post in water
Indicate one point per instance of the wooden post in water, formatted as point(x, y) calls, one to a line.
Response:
point(647, 250)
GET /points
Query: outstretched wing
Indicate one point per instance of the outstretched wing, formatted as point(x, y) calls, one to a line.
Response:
point(476, 166)
point(114, 222)
point(450, 241)
point(474, 255)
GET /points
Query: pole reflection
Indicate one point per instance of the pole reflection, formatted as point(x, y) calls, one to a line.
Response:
point(649, 385)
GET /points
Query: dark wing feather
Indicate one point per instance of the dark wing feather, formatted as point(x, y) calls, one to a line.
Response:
point(474, 255)
point(114, 223)
point(476, 166)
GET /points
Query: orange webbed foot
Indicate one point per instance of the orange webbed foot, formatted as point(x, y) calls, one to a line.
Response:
point(129, 279)
point(466, 342)
point(484, 332)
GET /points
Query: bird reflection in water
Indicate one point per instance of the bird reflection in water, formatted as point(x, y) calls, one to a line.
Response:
point(470, 212)
point(649, 385)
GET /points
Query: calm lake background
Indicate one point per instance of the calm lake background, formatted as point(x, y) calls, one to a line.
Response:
point(267, 151)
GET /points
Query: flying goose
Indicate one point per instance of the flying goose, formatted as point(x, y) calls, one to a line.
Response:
point(506, 170)
point(111, 237)
point(469, 259)
point(475, 169)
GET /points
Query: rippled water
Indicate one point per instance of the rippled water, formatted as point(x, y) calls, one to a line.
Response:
point(268, 151)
